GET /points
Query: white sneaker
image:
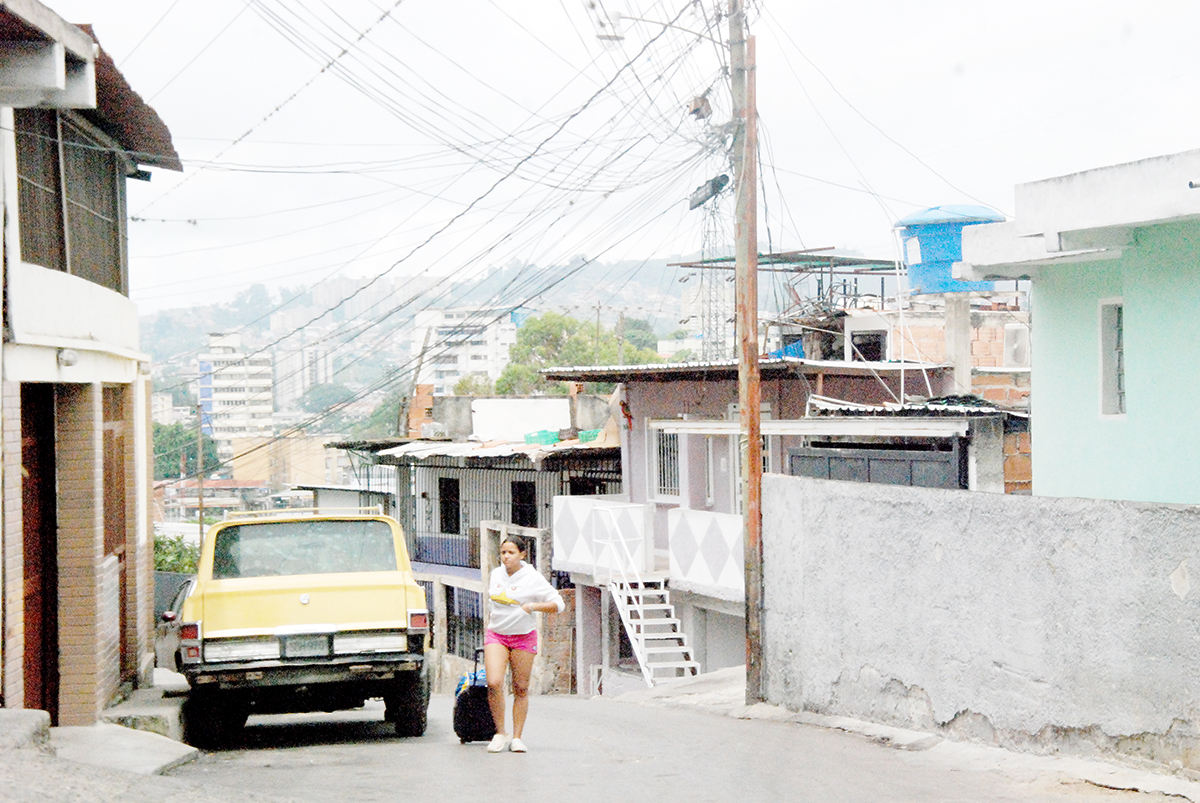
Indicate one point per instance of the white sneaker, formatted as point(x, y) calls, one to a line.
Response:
point(517, 746)
point(498, 744)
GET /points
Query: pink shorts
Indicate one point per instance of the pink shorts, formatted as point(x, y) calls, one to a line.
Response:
point(526, 642)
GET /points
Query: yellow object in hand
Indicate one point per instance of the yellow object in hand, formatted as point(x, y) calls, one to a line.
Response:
point(504, 599)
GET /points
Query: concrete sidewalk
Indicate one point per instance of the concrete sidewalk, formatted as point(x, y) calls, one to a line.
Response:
point(104, 762)
point(723, 693)
point(142, 735)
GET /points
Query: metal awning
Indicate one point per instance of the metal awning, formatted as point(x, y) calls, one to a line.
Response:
point(830, 426)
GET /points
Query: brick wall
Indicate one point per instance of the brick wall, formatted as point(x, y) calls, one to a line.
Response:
point(929, 343)
point(987, 347)
point(1018, 463)
point(1010, 389)
point(557, 645)
point(140, 481)
point(86, 681)
point(12, 647)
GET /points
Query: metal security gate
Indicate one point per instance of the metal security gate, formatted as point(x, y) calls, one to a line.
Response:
point(940, 465)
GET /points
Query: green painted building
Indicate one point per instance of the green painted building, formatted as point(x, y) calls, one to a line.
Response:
point(1114, 259)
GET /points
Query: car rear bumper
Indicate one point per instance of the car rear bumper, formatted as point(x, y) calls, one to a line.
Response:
point(368, 670)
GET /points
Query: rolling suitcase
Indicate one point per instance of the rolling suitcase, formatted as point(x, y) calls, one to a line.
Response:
point(472, 716)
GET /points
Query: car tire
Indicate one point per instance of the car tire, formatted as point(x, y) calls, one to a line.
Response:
point(212, 720)
point(408, 704)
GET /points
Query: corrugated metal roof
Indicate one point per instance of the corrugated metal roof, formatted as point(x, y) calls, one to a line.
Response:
point(946, 406)
point(712, 370)
point(469, 449)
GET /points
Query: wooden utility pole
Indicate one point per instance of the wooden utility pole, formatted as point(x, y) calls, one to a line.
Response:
point(200, 469)
point(621, 338)
point(745, 146)
point(596, 343)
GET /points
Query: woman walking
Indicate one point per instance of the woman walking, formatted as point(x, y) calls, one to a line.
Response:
point(517, 591)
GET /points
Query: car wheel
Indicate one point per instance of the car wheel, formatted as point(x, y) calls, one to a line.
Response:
point(408, 704)
point(211, 720)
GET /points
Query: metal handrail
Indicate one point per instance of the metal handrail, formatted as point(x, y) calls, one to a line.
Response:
point(625, 568)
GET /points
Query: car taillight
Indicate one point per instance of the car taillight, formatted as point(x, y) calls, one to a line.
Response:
point(189, 631)
point(418, 620)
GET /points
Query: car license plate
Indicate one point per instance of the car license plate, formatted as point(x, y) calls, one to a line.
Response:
point(306, 646)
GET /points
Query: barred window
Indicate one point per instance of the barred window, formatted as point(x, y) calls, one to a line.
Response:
point(666, 463)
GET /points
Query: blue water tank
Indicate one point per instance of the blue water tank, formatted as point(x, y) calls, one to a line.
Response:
point(933, 243)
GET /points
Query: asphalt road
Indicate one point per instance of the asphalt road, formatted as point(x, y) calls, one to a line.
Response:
point(585, 750)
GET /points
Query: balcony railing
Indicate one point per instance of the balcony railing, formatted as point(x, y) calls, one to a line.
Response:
point(598, 535)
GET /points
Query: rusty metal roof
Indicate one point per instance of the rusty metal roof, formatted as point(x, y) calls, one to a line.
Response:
point(122, 114)
point(708, 371)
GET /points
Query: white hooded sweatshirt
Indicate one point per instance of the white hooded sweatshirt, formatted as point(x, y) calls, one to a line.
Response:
point(524, 585)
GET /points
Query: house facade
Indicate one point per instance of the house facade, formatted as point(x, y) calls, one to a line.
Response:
point(77, 584)
point(482, 476)
point(677, 526)
point(1114, 259)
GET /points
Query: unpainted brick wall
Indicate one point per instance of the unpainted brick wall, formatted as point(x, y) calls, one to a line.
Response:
point(558, 645)
point(1007, 389)
point(1018, 463)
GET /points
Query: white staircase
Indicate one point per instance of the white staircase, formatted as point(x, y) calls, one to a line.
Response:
point(660, 646)
point(641, 597)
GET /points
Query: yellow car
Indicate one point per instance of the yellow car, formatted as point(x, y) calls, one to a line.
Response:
point(294, 612)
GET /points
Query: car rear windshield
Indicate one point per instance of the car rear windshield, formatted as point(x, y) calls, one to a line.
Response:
point(273, 549)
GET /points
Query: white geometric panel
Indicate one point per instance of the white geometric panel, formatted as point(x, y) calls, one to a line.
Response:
point(592, 533)
point(706, 552)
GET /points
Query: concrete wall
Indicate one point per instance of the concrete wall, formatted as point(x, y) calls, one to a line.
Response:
point(1150, 453)
point(1037, 623)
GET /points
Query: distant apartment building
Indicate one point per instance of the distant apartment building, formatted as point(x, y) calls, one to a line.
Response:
point(163, 410)
point(463, 341)
point(236, 392)
point(299, 368)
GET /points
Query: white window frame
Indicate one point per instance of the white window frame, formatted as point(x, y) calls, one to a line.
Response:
point(1113, 377)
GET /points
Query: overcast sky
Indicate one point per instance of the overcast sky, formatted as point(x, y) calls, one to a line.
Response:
point(449, 136)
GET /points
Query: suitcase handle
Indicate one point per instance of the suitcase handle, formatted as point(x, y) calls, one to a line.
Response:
point(478, 652)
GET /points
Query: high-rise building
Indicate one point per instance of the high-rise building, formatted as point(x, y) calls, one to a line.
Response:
point(462, 341)
point(235, 392)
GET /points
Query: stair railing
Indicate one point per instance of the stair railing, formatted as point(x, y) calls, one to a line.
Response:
point(629, 577)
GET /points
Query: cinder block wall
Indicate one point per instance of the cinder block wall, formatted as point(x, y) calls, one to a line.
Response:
point(1042, 624)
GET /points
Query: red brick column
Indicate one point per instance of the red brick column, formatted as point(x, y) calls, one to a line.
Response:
point(558, 646)
point(12, 641)
point(88, 638)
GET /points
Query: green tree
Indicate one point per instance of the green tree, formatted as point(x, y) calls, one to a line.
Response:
point(554, 340)
point(639, 333)
point(174, 553)
point(320, 398)
point(474, 385)
point(381, 423)
point(176, 442)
